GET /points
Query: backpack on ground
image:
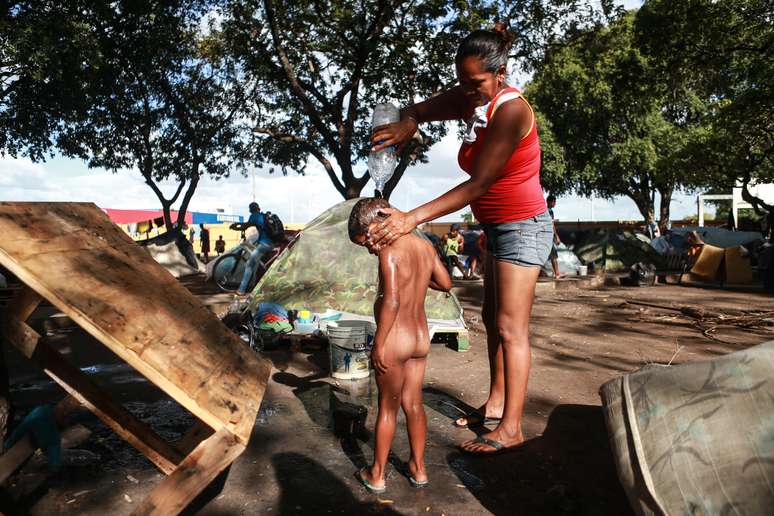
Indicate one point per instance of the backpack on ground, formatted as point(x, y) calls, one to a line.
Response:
point(274, 227)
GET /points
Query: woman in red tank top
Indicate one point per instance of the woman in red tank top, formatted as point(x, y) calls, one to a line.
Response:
point(501, 153)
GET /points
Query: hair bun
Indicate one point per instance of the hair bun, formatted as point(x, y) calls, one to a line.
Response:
point(501, 27)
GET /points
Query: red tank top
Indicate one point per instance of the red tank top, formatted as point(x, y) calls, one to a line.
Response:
point(516, 194)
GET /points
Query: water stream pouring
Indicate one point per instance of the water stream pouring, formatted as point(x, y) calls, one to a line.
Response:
point(381, 164)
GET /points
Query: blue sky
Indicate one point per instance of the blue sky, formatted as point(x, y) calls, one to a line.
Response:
point(295, 198)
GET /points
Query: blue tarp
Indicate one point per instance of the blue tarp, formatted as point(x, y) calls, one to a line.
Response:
point(720, 237)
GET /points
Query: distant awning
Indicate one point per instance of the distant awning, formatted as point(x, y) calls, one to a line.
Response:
point(132, 216)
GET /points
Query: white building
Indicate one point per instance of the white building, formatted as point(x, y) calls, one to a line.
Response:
point(765, 192)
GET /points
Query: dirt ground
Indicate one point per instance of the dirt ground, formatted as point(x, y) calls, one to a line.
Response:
point(313, 433)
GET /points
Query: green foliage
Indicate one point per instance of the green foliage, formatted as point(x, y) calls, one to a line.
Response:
point(183, 88)
point(44, 57)
point(606, 130)
point(322, 65)
point(718, 56)
point(154, 90)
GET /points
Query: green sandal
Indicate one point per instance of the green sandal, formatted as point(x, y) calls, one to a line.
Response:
point(369, 486)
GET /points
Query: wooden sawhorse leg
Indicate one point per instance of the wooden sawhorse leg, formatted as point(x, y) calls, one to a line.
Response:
point(197, 470)
point(81, 387)
point(192, 465)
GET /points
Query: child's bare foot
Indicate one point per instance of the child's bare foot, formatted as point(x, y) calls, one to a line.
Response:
point(493, 442)
point(371, 481)
point(417, 473)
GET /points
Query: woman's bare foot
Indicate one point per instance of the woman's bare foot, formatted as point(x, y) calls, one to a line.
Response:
point(499, 436)
point(493, 413)
point(417, 472)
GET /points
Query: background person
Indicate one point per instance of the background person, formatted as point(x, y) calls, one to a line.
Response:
point(453, 244)
point(473, 250)
point(262, 242)
point(501, 153)
point(204, 238)
point(220, 245)
point(551, 202)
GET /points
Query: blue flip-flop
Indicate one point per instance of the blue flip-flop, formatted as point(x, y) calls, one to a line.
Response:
point(369, 486)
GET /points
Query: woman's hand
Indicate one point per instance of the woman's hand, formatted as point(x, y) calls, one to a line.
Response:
point(398, 134)
point(397, 224)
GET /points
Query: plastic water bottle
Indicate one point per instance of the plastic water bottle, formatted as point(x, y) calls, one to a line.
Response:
point(381, 164)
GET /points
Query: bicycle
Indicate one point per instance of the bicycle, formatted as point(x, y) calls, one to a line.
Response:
point(229, 268)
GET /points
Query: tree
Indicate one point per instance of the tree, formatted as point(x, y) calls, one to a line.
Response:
point(322, 65)
point(721, 56)
point(43, 65)
point(157, 93)
point(606, 112)
point(166, 98)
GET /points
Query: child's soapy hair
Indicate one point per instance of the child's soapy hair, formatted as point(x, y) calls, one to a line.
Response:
point(363, 214)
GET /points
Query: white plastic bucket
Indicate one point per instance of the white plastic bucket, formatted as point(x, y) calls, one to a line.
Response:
point(583, 270)
point(349, 350)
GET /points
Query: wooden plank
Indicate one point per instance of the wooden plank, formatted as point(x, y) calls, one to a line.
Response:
point(23, 303)
point(195, 435)
point(81, 387)
point(197, 470)
point(72, 255)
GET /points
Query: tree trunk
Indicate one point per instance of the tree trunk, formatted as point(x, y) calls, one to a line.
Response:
point(663, 209)
point(645, 207)
point(188, 195)
point(165, 207)
point(353, 190)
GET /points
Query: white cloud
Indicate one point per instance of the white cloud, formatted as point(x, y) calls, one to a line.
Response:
point(294, 198)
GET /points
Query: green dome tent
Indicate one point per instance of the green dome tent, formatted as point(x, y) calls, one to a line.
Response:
point(615, 251)
point(323, 270)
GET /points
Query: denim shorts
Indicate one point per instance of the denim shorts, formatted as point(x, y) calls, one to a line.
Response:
point(527, 242)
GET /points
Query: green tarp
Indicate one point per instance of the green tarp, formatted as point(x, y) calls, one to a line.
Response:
point(323, 270)
point(613, 251)
point(697, 438)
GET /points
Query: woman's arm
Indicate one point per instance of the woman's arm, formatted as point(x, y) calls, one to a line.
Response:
point(452, 104)
point(509, 124)
point(449, 105)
